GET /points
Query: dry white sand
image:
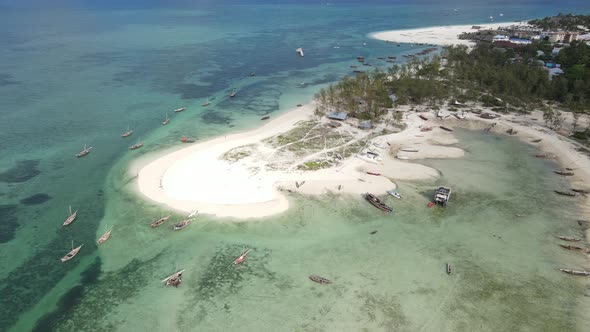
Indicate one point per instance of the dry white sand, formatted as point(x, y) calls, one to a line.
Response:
point(438, 35)
point(197, 178)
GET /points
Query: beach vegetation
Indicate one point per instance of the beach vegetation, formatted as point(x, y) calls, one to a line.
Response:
point(238, 153)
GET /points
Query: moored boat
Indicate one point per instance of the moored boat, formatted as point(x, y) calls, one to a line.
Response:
point(565, 193)
point(449, 268)
point(394, 194)
point(442, 196)
point(72, 253)
point(265, 117)
point(71, 217)
point(159, 221)
point(232, 93)
point(127, 133)
point(300, 51)
point(166, 120)
point(84, 151)
point(205, 104)
point(188, 140)
point(241, 258)
point(376, 202)
point(183, 224)
point(320, 280)
point(570, 247)
point(575, 272)
point(568, 238)
point(104, 237)
point(581, 191)
point(564, 173)
point(180, 109)
point(536, 140)
point(174, 279)
point(136, 146)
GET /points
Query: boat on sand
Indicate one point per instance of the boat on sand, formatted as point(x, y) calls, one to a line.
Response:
point(446, 128)
point(72, 253)
point(564, 173)
point(373, 173)
point(319, 280)
point(376, 202)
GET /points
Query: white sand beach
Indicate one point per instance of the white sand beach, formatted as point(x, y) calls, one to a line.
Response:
point(197, 177)
point(437, 35)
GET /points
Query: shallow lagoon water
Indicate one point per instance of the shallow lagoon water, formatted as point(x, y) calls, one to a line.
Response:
point(505, 267)
point(71, 76)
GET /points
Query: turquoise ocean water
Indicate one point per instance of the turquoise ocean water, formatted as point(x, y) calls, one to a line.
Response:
point(71, 75)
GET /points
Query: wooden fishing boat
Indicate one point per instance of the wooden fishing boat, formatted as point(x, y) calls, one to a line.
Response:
point(536, 140)
point(373, 173)
point(568, 238)
point(136, 146)
point(570, 247)
point(299, 105)
point(402, 157)
point(252, 74)
point(423, 117)
point(409, 150)
point(358, 71)
point(442, 196)
point(72, 253)
point(232, 93)
point(449, 268)
point(174, 279)
point(241, 258)
point(205, 104)
point(581, 191)
point(394, 194)
point(542, 155)
point(320, 280)
point(104, 237)
point(71, 218)
point(127, 133)
point(265, 117)
point(564, 173)
point(376, 202)
point(425, 129)
point(166, 120)
point(85, 151)
point(183, 224)
point(373, 232)
point(159, 222)
point(178, 110)
point(565, 193)
point(446, 128)
point(576, 272)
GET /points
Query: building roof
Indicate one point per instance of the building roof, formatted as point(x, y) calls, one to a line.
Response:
point(338, 115)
